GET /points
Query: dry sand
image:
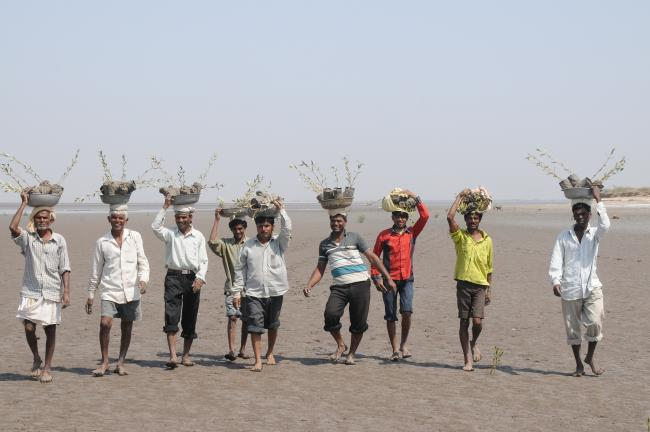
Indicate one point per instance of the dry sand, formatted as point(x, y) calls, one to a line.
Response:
point(531, 390)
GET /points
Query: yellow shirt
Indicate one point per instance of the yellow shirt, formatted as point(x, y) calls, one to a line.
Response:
point(473, 258)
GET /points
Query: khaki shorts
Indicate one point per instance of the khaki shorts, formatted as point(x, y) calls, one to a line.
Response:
point(471, 299)
point(126, 311)
point(588, 313)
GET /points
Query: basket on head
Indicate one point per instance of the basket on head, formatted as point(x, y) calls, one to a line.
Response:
point(43, 199)
point(336, 198)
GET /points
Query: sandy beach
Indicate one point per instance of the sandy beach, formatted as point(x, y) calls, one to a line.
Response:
point(531, 390)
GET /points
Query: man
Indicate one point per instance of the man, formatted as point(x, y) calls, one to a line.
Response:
point(229, 249)
point(262, 274)
point(47, 267)
point(186, 259)
point(573, 275)
point(121, 271)
point(351, 284)
point(473, 275)
point(397, 245)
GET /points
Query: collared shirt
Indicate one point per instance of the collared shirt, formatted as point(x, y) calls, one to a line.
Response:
point(182, 251)
point(45, 262)
point(116, 270)
point(573, 262)
point(344, 258)
point(397, 248)
point(262, 270)
point(473, 258)
point(228, 249)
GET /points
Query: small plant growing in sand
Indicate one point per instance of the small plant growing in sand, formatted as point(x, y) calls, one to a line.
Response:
point(497, 353)
point(647, 423)
point(177, 184)
point(16, 171)
point(549, 165)
point(329, 192)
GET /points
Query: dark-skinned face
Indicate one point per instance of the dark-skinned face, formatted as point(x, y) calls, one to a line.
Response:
point(238, 232)
point(117, 222)
point(472, 220)
point(337, 224)
point(183, 221)
point(264, 231)
point(581, 216)
point(399, 220)
point(42, 220)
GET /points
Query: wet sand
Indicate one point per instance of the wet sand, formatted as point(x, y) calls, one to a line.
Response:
point(531, 390)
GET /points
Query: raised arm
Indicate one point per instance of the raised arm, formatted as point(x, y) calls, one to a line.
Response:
point(14, 225)
point(157, 226)
point(451, 216)
point(285, 227)
point(423, 213)
point(603, 219)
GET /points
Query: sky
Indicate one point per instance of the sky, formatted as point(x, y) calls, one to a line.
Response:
point(433, 96)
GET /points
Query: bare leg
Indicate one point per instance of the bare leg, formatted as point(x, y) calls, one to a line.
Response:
point(104, 338)
point(463, 334)
point(406, 327)
point(171, 344)
point(50, 343)
point(392, 337)
point(355, 340)
point(32, 341)
point(580, 368)
point(340, 345)
point(256, 339)
point(477, 326)
point(589, 359)
point(232, 334)
point(244, 337)
point(272, 337)
point(125, 341)
point(187, 344)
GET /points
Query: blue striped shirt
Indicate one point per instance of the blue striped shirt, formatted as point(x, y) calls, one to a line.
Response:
point(344, 259)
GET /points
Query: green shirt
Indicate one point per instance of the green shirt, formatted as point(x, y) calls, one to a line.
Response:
point(228, 249)
point(473, 258)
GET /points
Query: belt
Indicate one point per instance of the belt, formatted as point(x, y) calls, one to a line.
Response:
point(180, 272)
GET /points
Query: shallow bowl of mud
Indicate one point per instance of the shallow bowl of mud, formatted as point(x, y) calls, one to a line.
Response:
point(43, 200)
point(341, 202)
point(115, 199)
point(234, 212)
point(185, 199)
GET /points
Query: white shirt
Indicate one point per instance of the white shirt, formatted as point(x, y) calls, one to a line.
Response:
point(261, 268)
point(118, 271)
point(573, 262)
point(182, 251)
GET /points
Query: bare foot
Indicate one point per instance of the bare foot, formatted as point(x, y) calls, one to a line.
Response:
point(243, 355)
point(350, 360)
point(406, 353)
point(46, 377)
point(119, 369)
point(36, 369)
point(100, 371)
point(579, 372)
point(230, 356)
point(336, 355)
point(595, 369)
point(257, 367)
point(468, 367)
point(172, 363)
point(187, 362)
point(476, 353)
point(395, 356)
point(270, 360)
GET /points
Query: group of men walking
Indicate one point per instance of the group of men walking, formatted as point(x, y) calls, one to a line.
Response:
point(256, 280)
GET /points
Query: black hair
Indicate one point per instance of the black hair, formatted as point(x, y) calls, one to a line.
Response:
point(400, 213)
point(585, 206)
point(468, 214)
point(233, 223)
point(262, 219)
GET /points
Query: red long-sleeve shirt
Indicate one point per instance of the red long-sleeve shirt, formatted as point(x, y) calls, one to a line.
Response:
point(397, 248)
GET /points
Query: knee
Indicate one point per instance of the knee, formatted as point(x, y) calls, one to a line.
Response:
point(105, 324)
point(30, 327)
point(477, 322)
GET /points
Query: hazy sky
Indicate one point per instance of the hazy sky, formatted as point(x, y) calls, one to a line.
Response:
point(430, 95)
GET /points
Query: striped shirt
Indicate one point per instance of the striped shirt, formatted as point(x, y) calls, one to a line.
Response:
point(344, 259)
point(45, 262)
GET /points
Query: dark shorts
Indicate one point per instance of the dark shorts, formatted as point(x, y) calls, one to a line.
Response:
point(471, 299)
point(181, 304)
point(405, 291)
point(262, 313)
point(129, 311)
point(358, 295)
